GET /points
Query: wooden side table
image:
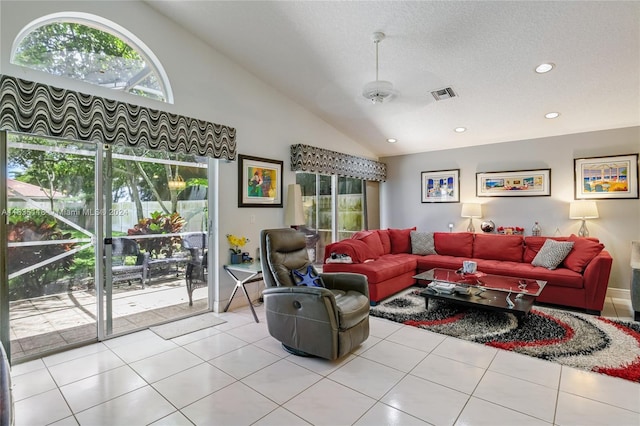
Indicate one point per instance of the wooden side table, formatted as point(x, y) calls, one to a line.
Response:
point(255, 274)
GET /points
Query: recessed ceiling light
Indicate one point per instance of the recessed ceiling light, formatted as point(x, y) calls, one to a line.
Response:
point(543, 68)
point(392, 140)
point(460, 129)
point(552, 115)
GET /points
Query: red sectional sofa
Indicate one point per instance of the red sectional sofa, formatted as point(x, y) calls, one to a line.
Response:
point(386, 258)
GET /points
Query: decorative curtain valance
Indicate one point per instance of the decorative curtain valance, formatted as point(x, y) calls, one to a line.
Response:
point(36, 108)
point(306, 158)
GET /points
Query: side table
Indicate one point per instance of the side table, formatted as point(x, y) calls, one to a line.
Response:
point(255, 274)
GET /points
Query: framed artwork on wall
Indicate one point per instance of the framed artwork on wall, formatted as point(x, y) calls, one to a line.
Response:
point(441, 186)
point(603, 178)
point(259, 182)
point(518, 183)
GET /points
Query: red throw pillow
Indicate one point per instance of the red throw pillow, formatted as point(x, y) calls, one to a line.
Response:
point(584, 250)
point(385, 239)
point(357, 250)
point(400, 240)
point(372, 240)
point(458, 244)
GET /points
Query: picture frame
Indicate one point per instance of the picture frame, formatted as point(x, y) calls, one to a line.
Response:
point(517, 183)
point(259, 182)
point(611, 177)
point(440, 186)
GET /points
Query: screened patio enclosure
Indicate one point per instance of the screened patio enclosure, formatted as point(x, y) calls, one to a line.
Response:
point(74, 190)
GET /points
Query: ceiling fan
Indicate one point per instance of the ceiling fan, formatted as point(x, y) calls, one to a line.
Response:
point(378, 91)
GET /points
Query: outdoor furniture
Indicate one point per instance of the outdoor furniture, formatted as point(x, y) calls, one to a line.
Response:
point(122, 249)
point(196, 271)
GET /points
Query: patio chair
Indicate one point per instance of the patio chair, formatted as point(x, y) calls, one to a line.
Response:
point(196, 271)
point(123, 249)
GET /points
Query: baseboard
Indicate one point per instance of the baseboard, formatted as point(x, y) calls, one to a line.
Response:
point(619, 293)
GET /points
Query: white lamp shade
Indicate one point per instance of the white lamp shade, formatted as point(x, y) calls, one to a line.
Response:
point(583, 210)
point(294, 214)
point(471, 210)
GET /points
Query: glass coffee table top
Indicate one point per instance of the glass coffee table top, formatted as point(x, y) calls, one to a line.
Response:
point(484, 281)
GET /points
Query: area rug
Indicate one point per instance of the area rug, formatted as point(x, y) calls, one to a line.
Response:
point(574, 339)
point(188, 325)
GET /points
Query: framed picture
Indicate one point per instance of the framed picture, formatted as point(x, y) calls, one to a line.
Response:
point(612, 177)
point(259, 182)
point(519, 183)
point(441, 186)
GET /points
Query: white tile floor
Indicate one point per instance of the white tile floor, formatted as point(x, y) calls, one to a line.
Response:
point(236, 374)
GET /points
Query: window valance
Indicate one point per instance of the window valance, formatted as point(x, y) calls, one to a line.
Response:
point(36, 108)
point(306, 158)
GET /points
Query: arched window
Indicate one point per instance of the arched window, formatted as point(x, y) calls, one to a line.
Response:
point(92, 49)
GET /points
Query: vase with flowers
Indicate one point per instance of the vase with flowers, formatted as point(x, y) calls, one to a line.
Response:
point(236, 244)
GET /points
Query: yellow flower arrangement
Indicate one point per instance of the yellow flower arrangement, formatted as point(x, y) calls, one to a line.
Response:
point(236, 243)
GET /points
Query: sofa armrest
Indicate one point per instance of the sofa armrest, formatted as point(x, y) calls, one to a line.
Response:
point(346, 281)
point(596, 281)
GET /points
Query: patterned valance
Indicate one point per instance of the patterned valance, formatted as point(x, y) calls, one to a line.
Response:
point(36, 108)
point(308, 158)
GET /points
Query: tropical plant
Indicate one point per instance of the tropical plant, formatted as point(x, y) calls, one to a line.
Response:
point(26, 228)
point(159, 223)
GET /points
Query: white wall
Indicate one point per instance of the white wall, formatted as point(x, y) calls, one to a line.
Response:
point(619, 221)
point(207, 86)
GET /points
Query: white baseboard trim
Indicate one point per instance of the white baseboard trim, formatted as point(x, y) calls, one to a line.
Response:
point(619, 293)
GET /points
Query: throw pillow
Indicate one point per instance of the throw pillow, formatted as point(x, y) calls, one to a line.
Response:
point(372, 240)
point(584, 250)
point(385, 239)
point(422, 243)
point(552, 254)
point(310, 278)
point(400, 240)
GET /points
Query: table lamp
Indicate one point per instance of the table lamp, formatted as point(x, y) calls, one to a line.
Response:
point(294, 214)
point(583, 210)
point(471, 210)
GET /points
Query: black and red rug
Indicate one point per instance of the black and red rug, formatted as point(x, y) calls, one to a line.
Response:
point(578, 340)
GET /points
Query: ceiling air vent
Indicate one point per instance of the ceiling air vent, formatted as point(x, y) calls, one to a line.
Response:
point(443, 94)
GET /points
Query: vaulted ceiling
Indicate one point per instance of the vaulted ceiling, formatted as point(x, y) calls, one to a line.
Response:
point(321, 54)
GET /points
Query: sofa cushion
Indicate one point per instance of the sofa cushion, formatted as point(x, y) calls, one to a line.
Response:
point(532, 246)
point(558, 277)
point(384, 268)
point(454, 243)
point(422, 243)
point(552, 253)
point(400, 240)
point(498, 247)
point(385, 239)
point(583, 251)
point(372, 240)
point(358, 250)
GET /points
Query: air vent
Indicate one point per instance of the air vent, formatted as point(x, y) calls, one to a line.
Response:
point(443, 94)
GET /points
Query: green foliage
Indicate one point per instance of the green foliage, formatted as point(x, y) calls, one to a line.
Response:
point(159, 223)
point(23, 228)
point(61, 48)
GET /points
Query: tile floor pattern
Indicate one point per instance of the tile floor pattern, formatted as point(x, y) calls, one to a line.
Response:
point(236, 374)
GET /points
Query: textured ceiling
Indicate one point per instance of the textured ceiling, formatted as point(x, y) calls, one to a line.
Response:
point(321, 54)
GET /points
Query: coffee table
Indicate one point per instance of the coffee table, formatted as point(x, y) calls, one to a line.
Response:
point(479, 290)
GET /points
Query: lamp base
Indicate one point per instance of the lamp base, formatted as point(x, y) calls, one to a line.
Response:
point(471, 228)
point(583, 232)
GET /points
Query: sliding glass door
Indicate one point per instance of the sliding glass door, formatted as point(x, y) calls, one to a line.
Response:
point(50, 243)
point(95, 240)
point(157, 200)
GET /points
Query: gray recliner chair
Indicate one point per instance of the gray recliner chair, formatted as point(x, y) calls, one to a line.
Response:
point(325, 322)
